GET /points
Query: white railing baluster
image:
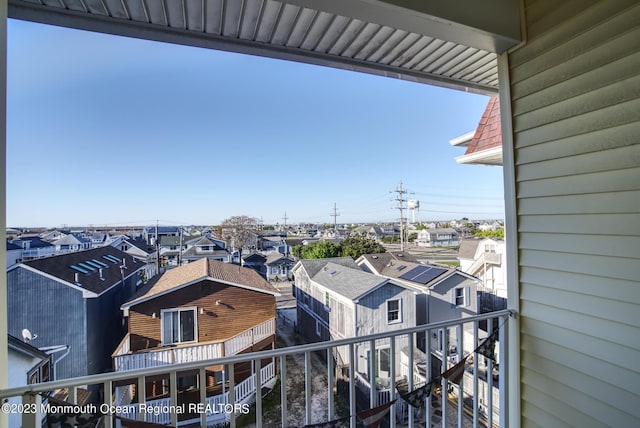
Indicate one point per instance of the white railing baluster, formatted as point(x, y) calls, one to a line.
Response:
point(202, 375)
point(307, 387)
point(475, 375)
point(283, 390)
point(108, 400)
point(352, 385)
point(330, 382)
point(232, 395)
point(142, 396)
point(410, 377)
point(173, 396)
point(489, 379)
point(459, 333)
point(502, 368)
point(445, 366)
point(392, 382)
point(258, 390)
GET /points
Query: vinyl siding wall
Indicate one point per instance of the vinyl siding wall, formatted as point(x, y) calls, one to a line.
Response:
point(53, 311)
point(575, 91)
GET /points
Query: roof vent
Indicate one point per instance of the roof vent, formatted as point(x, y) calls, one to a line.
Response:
point(77, 278)
point(101, 277)
point(124, 262)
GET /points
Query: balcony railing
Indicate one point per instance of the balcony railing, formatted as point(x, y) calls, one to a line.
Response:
point(480, 400)
point(124, 359)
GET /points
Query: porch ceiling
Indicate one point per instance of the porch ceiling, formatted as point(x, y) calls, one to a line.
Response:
point(367, 36)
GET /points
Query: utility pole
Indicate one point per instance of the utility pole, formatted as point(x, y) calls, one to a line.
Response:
point(335, 216)
point(285, 221)
point(401, 201)
point(157, 248)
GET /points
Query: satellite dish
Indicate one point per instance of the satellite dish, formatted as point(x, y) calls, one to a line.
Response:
point(27, 336)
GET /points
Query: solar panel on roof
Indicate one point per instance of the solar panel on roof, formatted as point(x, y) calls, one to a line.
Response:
point(87, 267)
point(100, 263)
point(111, 259)
point(79, 269)
point(423, 274)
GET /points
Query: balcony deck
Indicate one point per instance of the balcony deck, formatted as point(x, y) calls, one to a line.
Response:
point(124, 359)
point(474, 407)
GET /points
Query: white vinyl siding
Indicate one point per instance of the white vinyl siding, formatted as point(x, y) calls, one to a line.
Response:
point(575, 88)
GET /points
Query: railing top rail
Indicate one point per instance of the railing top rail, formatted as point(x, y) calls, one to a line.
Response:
point(291, 350)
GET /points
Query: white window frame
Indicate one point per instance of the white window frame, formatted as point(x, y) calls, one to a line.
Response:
point(181, 309)
point(465, 296)
point(399, 310)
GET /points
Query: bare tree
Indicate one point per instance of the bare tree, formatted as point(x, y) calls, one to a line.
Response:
point(240, 232)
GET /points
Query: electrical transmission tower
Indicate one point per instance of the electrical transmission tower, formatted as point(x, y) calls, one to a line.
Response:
point(401, 200)
point(335, 215)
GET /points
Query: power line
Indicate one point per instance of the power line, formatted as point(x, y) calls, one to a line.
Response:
point(335, 215)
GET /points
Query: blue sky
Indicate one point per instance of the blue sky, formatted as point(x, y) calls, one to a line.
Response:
point(106, 130)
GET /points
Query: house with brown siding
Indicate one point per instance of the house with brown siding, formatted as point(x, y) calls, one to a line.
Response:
point(200, 311)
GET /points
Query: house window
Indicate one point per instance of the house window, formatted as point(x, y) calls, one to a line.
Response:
point(179, 325)
point(459, 297)
point(394, 311)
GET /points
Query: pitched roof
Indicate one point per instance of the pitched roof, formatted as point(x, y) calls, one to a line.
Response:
point(346, 281)
point(254, 258)
point(201, 270)
point(277, 258)
point(380, 260)
point(313, 266)
point(60, 267)
point(35, 242)
point(486, 145)
point(12, 246)
point(468, 248)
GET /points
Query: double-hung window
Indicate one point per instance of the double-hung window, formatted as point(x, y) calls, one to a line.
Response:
point(179, 325)
point(394, 311)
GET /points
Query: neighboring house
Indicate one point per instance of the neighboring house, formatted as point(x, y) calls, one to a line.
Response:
point(153, 234)
point(204, 246)
point(444, 293)
point(485, 258)
point(73, 299)
point(484, 145)
point(172, 246)
point(52, 235)
point(372, 231)
point(72, 242)
point(255, 261)
point(199, 311)
point(446, 237)
point(138, 248)
point(14, 254)
point(34, 247)
point(273, 241)
point(99, 239)
point(336, 300)
point(26, 365)
point(278, 267)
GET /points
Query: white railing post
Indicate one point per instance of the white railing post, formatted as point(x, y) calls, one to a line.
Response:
point(459, 344)
point(489, 379)
point(108, 400)
point(445, 366)
point(232, 395)
point(330, 382)
point(307, 387)
point(392, 383)
point(352, 385)
point(283, 390)
point(32, 419)
point(502, 369)
point(258, 388)
point(372, 375)
point(142, 397)
point(410, 377)
point(202, 374)
point(173, 396)
point(475, 375)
